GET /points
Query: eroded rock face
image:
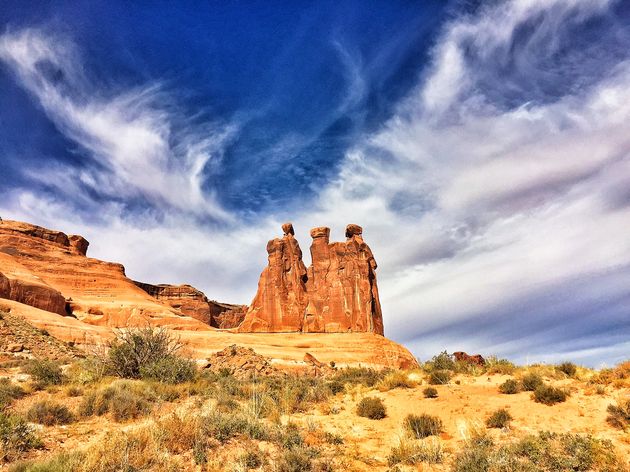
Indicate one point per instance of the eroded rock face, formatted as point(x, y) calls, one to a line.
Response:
point(281, 297)
point(338, 293)
point(342, 290)
point(194, 303)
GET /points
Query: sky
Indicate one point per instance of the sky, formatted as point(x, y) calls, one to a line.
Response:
point(484, 146)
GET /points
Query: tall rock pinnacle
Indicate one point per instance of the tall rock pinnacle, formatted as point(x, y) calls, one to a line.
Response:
point(338, 293)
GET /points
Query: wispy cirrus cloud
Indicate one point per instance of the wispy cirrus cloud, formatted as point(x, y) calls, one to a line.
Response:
point(132, 141)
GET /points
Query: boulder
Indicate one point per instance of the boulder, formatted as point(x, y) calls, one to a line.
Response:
point(241, 362)
point(476, 359)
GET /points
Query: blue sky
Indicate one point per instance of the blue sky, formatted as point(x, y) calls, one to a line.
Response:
point(483, 146)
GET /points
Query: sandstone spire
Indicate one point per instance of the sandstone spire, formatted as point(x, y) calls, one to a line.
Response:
point(338, 293)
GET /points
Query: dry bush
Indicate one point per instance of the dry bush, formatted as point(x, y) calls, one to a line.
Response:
point(495, 365)
point(499, 419)
point(45, 372)
point(410, 452)
point(510, 387)
point(359, 375)
point(531, 381)
point(371, 407)
point(122, 399)
point(567, 368)
point(440, 377)
point(423, 426)
point(619, 414)
point(550, 395)
point(16, 437)
point(9, 392)
point(49, 413)
point(430, 392)
point(397, 379)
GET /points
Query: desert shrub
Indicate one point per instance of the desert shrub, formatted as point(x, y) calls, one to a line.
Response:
point(336, 386)
point(297, 459)
point(423, 426)
point(619, 414)
point(371, 407)
point(9, 392)
point(49, 413)
point(252, 459)
point(509, 387)
point(170, 369)
point(123, 400)
point(359, 375)
point(499, 419)
point(410, 452)
point(439, 377)
point(225, 426)
point(430, 392)
point(394, 380)
point(531, 382)
point(568, 368)
point(442, 361)
point(16, 437)
point(542, 452)
point(63, 462)
point(495, 365)
point(332, 438)
point(549, 395)
point(136, 349)
point(289, 436)
point(74, 391)
point(44, 371)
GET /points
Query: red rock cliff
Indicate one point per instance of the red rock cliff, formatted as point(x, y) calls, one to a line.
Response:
point(338, 293)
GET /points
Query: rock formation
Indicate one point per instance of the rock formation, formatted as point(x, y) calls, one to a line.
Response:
point(338, 292)
point(281, 298)
point(194, 303)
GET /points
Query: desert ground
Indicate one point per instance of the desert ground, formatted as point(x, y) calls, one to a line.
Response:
point(77, 415)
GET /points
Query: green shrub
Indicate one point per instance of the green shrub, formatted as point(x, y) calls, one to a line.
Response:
point(549, 395)
point(494, 365)
point(137, 348)
point(170, 369)
point(297, 459)
point(394, 380)
point(411, 452)
point(439, 377)
point(443, 361)
point(44, 371)
point(423, 426)
point(430, 392)
point(9, 392)
point(531, 382)
point(16, 437)
point(359, 375)
point(336, 386)
point(619, 414)
point(499, 419)
point(568, 368)
point(63, 462)
point(289, 436)
point(371, 407)
point(252, 459)
point(509, 387)
point(123, 400)
point(542, 452)
point(49, 413)
point(332, 438)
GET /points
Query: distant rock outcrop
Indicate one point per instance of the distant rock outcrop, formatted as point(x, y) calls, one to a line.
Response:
point(194, 303)
point(338, 292)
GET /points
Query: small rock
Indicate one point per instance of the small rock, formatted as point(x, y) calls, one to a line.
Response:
point(15, 347)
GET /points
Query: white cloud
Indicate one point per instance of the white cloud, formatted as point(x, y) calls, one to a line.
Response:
point(131, 135)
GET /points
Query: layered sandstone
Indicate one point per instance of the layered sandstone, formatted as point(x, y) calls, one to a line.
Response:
point(194, 303)
point(49, 270)
point(337, 294)
point(55, 277)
